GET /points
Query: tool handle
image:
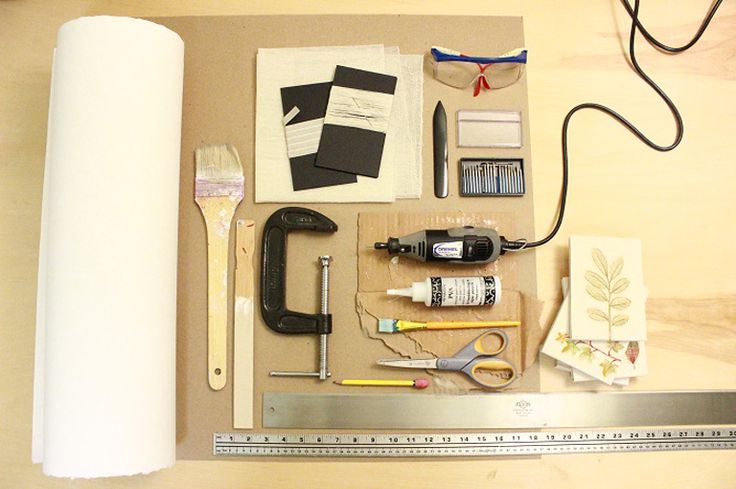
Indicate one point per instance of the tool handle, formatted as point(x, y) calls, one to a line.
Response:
point(273, 271)
point(491, 373)
point(218, 214)
point(471, 324)
point(476, 348)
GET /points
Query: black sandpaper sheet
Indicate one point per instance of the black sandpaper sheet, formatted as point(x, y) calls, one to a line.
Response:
point(351, 149)
point(311, 100)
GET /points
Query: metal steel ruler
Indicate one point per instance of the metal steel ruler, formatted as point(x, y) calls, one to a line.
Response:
point(473, 444)
point(497, 411)
point(713, 412)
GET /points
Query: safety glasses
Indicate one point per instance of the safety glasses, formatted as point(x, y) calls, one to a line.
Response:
point(461, 71)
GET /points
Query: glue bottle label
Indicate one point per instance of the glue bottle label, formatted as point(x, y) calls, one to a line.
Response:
point(463, 291)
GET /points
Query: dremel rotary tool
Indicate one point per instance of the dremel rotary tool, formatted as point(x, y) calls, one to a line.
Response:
point(465, 245)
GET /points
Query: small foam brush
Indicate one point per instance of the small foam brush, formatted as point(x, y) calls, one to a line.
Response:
point(218, 190)
point(398, 325)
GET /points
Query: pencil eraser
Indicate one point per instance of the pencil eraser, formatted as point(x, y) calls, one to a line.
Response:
point(421, 383)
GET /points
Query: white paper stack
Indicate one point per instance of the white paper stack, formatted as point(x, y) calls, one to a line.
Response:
point(105, 374)
point(600, 330)
point(401, 169)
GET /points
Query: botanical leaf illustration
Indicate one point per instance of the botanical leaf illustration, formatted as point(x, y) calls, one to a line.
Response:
point(596, 280)
point(609, 367)
point(616, 267)
point(620, 303)
point(586, 353)
point(600, 261)
point(619, 320)
point(597, 315)
point(561, 336)
point(587, 350)
point(619, 285)
point(607, 287)
point(571, 346)
point(596, 293)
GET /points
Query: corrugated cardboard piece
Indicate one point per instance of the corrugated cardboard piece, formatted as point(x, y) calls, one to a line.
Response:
point(378, 271)
point(372, 306)
point(219, 106)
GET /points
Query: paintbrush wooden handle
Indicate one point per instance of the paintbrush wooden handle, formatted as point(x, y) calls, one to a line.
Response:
point(218, 214)
point(470, 324)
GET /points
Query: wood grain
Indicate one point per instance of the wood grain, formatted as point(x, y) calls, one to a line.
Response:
point(243, 357)
point(681, 204)
point(218, 213)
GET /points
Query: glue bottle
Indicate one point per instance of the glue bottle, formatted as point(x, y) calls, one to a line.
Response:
point(453, 291)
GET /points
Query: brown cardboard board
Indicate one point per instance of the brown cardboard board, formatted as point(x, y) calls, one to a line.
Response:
point(219, 106)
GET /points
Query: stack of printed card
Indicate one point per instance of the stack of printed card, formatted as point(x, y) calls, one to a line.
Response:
point(600, 330)
point(336, 131)
point(338, 124)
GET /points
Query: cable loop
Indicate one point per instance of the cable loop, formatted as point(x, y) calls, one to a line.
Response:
point(635, 24)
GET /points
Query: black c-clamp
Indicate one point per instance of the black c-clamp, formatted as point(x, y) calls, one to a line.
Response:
point(273, 271)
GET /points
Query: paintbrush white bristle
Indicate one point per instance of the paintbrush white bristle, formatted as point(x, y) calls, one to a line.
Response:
point(218, 162)
point(219, 171)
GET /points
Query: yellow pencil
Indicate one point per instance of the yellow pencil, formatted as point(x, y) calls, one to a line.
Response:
point(417, 383)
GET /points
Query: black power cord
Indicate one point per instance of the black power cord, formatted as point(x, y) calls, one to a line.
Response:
point(517, 245)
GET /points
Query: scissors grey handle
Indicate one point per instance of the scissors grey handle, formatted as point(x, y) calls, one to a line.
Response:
point(475, 348)
point(499, 373)
point(474, 360)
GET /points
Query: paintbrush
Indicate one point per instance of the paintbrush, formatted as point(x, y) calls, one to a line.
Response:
point(218, 190)
point(397, 325)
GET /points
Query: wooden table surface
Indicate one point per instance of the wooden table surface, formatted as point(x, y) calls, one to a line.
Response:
point(681, 204)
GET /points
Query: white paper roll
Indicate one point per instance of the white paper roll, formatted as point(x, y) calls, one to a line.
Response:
point(104, 399)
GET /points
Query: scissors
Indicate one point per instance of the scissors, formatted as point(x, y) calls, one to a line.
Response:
point(472, 360)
